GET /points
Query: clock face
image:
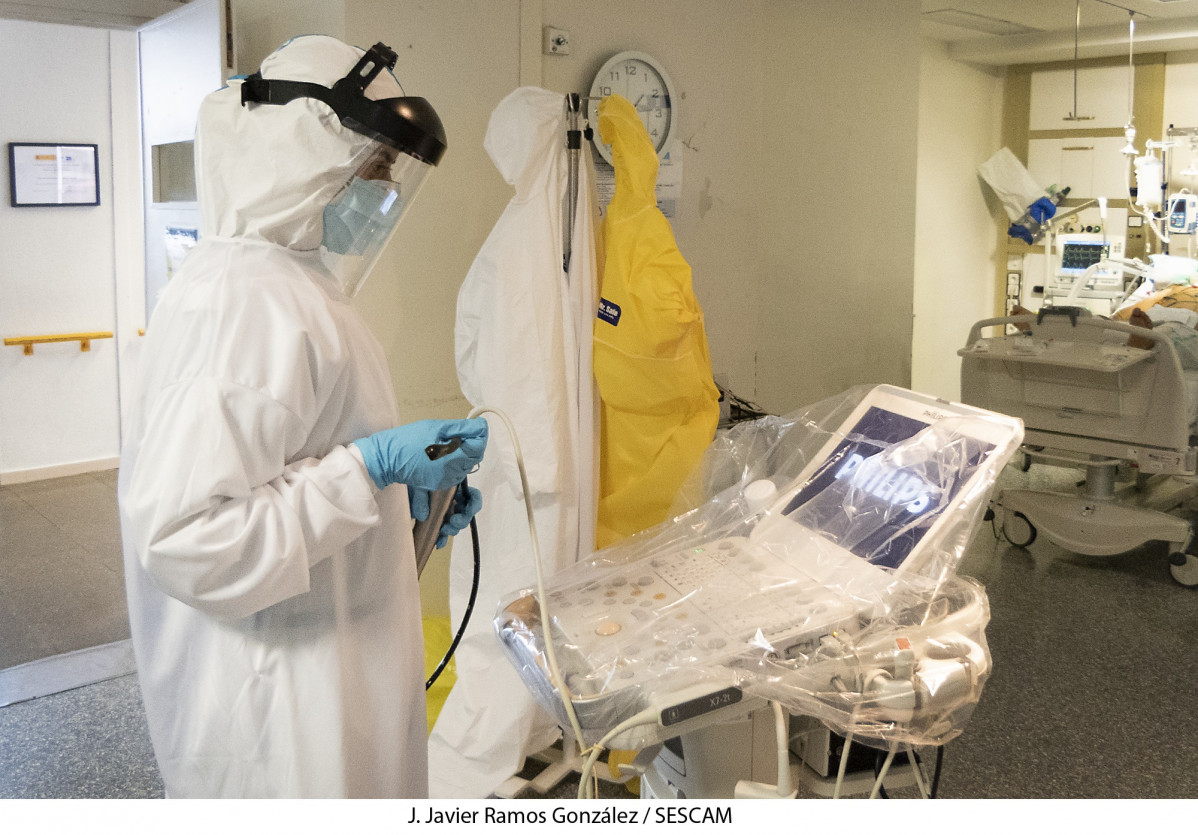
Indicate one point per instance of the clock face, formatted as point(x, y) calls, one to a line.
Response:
point(640, 79)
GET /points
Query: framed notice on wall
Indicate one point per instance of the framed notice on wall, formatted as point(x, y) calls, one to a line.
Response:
point(46, 174)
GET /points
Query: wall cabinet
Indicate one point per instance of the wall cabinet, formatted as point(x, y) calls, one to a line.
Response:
point(1098, 90)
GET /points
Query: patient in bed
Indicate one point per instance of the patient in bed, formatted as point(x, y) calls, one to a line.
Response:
point(1175, 324)
point(1168, 313)
point(1172, 311)
point(1175, 297)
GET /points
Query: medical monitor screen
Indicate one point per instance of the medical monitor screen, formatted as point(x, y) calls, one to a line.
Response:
point(883, 487)
point(1078, 255)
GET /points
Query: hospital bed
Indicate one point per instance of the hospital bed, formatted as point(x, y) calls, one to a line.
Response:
point(821, 583)
point(1088, 400)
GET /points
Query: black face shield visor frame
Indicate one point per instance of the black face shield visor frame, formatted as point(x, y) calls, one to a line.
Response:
point(409, 124)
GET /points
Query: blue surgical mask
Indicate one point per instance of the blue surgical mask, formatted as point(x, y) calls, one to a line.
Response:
point(363, 212)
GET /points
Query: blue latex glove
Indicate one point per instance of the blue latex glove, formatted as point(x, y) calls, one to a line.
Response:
point(1020, 232)
point(466, 502)
point(1042, 210)
point(419, 503)
point(400, 456)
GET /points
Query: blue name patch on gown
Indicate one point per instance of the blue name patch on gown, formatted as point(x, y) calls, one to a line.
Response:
point(609, 312)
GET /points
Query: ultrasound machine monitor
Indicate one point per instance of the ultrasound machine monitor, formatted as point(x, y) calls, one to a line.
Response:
point(873, 503)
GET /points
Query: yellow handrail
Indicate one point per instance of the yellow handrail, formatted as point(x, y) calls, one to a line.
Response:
point(84, 339)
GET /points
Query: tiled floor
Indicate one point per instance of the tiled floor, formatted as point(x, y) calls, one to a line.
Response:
point(61, 575)
point(91, 742)
point(1092, 694)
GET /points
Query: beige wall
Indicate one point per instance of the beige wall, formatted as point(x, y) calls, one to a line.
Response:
point(1181, 108)
point(262, 26)
point(716, 60)
point(463, 56)
point(960, 110)
point(794, 116)
point(833, 303)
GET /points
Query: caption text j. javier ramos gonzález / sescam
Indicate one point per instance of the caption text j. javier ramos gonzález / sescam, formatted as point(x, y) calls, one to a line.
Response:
point(616, 814)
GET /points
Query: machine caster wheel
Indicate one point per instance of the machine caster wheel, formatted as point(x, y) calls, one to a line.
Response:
point(1018, 530)
point(1184, 568)
point(1024, 459)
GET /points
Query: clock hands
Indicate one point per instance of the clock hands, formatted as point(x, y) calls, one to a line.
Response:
point(647, 87)
point(654, 102)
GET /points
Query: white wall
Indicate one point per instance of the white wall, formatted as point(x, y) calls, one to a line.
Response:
point(59, 406)
point(779, 102)
point(960, 121)
point(463, 56)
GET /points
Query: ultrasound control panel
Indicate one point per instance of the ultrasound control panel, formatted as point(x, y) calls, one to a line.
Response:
point(702, 605)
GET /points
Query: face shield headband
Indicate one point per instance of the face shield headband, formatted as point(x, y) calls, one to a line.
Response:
point(408, 123)
point(407, 140)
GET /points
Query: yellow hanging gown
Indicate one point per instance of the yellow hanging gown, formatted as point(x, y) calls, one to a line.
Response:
point(660, 405)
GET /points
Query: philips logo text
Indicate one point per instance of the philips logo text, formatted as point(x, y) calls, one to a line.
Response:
point(898, 487)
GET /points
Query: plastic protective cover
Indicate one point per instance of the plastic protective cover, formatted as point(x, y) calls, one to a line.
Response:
point(816, 569)
point(1011, 181)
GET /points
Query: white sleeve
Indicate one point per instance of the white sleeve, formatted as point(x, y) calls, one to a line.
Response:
point(220, 522)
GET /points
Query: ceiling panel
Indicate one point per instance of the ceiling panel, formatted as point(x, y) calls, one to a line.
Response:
point(975, 19)
point(111, 14)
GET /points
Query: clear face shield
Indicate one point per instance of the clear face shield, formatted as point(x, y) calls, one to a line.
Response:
point(405, 139)
point(361, 219)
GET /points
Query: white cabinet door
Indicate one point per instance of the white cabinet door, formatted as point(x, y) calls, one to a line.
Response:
point(1090, 166)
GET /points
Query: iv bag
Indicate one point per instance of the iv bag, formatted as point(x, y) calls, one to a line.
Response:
point(1148, 181)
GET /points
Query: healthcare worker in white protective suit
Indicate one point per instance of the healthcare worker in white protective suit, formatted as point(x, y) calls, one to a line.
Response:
point(523, 340)
point(264, 484)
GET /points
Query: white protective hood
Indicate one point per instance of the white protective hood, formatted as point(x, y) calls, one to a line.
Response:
point(519, 350)
point(273, 598)
point(252, 188)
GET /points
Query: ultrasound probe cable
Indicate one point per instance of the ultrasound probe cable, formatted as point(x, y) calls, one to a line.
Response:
point(555, 675)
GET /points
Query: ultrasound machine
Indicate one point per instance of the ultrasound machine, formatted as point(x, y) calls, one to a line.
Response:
point(821, 586)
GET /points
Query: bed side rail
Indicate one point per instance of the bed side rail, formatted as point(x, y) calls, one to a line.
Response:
point(1076, 376)
point(1077, 323)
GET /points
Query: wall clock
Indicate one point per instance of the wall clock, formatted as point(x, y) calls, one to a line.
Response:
point(642, 80)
